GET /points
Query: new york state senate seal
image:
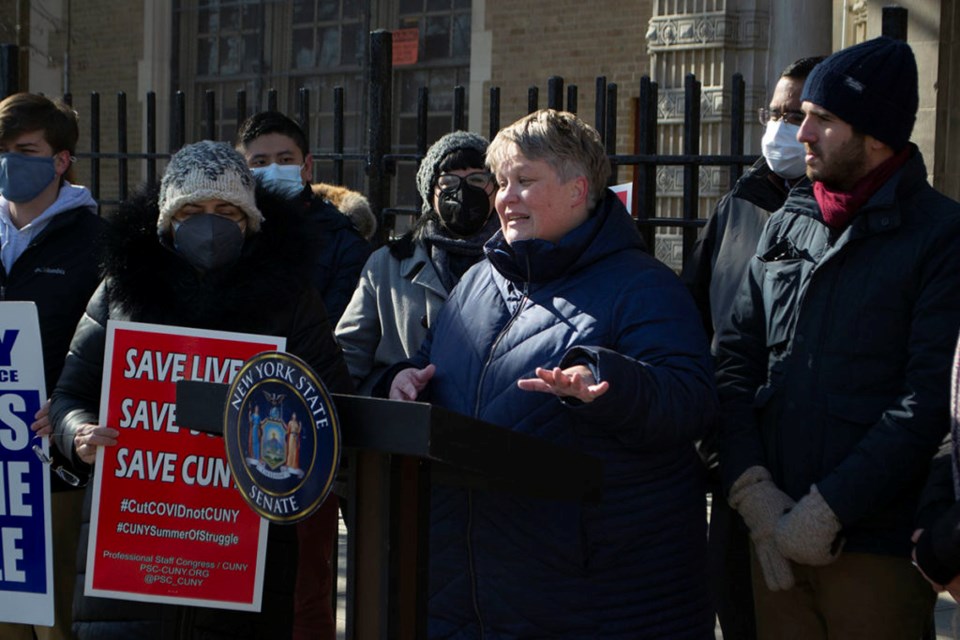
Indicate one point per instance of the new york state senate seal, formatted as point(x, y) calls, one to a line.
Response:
point(282, 437)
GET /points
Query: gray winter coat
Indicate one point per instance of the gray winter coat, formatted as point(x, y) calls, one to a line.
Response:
point(387, 318)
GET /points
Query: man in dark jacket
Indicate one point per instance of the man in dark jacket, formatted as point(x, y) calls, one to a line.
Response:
point(834, 371)
point(713, 274)
point(276, 150)
point(49, 235)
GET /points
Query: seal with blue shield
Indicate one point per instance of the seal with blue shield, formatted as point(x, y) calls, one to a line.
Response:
point(282, 437)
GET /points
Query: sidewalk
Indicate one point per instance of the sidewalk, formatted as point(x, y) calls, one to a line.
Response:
point(945, 612)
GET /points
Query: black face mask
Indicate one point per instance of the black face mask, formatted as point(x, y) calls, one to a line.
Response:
point(465, 211)
point(208, 241)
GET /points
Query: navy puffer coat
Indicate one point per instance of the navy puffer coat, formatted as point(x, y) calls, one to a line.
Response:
point(631, 566)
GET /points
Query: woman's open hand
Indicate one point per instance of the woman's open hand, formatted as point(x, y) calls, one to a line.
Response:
point(576, 382)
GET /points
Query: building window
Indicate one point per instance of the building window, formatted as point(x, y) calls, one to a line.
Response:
point(327, 34)
point(224, 46)
point(443, 62)
point(228, 38)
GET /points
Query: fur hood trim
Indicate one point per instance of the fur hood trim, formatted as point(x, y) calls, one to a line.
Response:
point(352, 204)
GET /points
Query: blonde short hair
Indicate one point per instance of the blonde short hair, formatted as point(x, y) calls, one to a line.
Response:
point(561, 139)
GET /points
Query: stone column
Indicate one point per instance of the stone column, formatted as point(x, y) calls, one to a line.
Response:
point(713, 41)
point(945, 162)
point(797, 30)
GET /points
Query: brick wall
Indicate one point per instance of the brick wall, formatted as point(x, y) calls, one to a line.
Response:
point(107, 47)
point(576, 40)
point(106, 44)
point(532, 41)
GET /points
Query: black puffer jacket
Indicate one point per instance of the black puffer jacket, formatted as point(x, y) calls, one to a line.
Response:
point(836, 370)
point(504, 565)
point(715, 269)
point(263, 293)
point(338, 253)
point(58, 272)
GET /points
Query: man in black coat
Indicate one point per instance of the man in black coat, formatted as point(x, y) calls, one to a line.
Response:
point(49, 235)
point(713, 274)
point(834, 372)
point(276, 150)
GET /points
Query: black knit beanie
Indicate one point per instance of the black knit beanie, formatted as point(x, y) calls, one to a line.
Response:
point(872, 86)
point(430, 167)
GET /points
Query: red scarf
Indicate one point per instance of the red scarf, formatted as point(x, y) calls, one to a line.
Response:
point(839, 207)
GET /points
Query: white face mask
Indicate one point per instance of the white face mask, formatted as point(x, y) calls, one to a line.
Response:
point(784, 154)
point(285, 179)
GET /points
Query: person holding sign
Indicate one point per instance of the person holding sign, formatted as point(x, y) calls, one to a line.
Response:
point(205, 252)
point(49, 234)
point(569, 331)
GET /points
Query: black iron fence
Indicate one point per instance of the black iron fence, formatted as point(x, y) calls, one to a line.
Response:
point(380, 161)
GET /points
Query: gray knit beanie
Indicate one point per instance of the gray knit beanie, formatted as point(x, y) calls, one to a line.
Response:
point(430, 166)
point(207, 171)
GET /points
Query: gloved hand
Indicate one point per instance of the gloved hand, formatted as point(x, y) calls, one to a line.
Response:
point(762, 504)
point(808, 534)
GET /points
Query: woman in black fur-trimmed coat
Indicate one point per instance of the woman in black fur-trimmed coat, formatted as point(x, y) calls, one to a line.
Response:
point(173, 258)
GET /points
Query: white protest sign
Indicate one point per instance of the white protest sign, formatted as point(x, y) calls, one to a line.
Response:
point(26, 552)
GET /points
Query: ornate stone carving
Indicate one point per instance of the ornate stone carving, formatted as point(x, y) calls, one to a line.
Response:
point(707, 30)
point(713, 181)
point(669, 250)
point(671, 102)
point(857, 23)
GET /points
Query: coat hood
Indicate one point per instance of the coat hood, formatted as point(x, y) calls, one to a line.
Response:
point(353, 204)
point(609, 229)
point(904, 183)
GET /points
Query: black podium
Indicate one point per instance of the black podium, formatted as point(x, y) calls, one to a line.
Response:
point(393, 452)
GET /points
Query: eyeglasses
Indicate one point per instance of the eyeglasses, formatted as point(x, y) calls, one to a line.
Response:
point(774, 115)
point(60, 470)
point(450, 182)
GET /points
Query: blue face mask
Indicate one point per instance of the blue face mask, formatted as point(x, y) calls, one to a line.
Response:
point(22, 178)
point(284, 179)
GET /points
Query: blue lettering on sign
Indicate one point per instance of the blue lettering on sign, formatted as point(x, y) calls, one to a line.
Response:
point(7, 338)
point(22, 531)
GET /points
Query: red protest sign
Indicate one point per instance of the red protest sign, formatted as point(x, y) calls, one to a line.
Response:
point(168, 525)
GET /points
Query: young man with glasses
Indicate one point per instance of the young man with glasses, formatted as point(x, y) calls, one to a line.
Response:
point(713, 274)
point(49, 238)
